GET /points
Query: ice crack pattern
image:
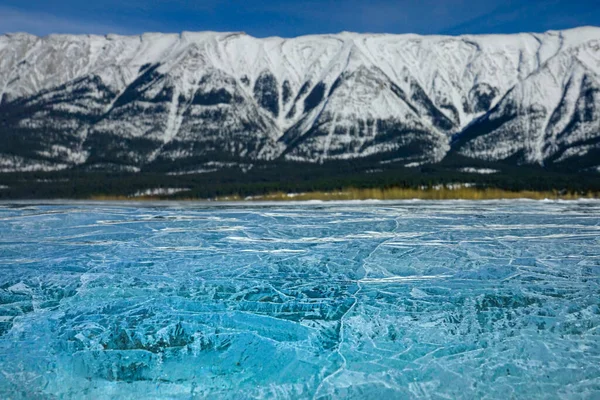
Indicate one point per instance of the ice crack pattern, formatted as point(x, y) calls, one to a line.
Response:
point(432, 300)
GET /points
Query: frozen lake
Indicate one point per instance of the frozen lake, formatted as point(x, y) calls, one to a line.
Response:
point(417, 299)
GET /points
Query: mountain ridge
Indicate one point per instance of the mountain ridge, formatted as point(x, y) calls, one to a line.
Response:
point(137, 102)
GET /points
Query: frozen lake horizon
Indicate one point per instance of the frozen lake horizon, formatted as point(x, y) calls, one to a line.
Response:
point(375, 300)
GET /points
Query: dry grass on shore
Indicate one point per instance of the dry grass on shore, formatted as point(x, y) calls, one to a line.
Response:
point(395, 193)
point(443, 193)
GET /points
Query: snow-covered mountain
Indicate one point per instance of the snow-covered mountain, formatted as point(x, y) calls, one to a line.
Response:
point(183, 102)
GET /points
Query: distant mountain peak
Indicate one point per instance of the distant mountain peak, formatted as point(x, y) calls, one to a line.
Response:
point(139, 101)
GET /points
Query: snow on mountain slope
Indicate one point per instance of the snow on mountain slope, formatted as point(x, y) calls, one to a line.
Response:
point(551, 115)
point(131, 102)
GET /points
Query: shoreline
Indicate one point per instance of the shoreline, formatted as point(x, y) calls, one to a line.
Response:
point(290, 203)
point(346, 195)
point(353, 194)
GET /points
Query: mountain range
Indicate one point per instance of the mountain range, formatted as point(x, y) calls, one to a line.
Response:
point(195, 102)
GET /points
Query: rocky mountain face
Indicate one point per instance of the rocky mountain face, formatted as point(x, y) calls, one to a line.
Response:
point(202, 100)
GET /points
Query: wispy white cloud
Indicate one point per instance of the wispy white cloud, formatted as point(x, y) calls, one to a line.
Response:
point(39, 23)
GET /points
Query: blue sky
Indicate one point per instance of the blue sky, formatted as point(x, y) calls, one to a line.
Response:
point(289, 18)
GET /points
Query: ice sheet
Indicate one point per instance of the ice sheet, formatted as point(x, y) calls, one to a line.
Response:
point(407, 300)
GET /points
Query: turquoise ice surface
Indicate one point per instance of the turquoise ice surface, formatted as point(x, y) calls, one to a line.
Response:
point(432, 300)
